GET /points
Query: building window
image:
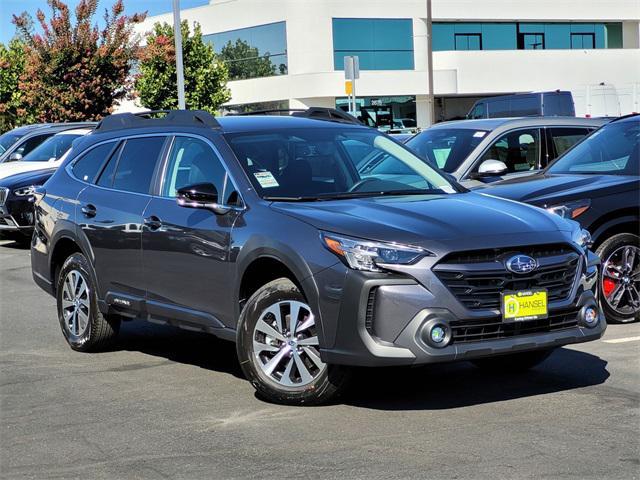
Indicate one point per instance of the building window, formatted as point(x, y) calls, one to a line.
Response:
point(253, 52)
point(468, 41)
point(380, 44)
point(448, 36)
point(532, 41)
point(583, 40)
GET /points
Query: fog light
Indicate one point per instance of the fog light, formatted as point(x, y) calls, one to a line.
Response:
point(590, 316)
point(438, 334)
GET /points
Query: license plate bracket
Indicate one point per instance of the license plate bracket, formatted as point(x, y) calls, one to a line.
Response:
point(524, 305)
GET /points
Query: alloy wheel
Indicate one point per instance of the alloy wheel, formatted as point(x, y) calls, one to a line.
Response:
point(75, 303)
point(285, 344)
point(621, 280)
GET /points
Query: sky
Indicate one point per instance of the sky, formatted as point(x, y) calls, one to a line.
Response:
point(10, 7)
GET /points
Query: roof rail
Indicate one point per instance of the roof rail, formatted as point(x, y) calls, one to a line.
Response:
point(316, 113)
point(187, 118)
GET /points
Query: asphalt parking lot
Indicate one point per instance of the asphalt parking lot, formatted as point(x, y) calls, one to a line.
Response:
point(173, 404)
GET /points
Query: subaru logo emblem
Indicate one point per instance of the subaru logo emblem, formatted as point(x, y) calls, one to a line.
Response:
point(521, 264)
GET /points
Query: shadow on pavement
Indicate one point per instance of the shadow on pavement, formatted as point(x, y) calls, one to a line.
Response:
point(199, 349)
point(446, 386)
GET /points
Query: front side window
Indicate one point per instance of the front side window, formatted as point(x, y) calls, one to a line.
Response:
point(446, 147)
point(518, 150)
point(192, 161)
point(309, 164)
point(612, 150)
point(563, 139)
point(52, 148)
point(132, 169)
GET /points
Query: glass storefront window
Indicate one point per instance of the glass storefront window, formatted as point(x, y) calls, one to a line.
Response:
point(253, 52)
point(387, 114)
point(380, 44)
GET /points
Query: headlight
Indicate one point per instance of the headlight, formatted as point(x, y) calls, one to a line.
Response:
point(571, 210)
point(582, 238)
point(367, 255)
point(25, 191)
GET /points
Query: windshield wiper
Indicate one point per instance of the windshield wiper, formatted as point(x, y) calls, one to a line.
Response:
point(347, 195)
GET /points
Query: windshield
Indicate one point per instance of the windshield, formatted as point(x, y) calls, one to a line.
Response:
point(8, 139)
point(312, 164)
point(51, 149)
point(446, 147)
point(612, 150)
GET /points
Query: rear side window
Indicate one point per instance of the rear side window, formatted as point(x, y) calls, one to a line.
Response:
point(88, 166)
point(565, 138)
point(135, 165)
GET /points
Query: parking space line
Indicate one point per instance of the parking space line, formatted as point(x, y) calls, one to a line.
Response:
point(622, 340)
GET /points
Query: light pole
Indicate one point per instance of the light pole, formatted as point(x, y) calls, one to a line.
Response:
point(430, 97)
point(177, 33)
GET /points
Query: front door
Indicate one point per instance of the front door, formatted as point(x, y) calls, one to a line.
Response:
point(186, 250)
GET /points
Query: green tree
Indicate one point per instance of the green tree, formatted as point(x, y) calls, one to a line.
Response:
point(76, 71)
point(12, 60)
point(205, 77)
point(244, 61)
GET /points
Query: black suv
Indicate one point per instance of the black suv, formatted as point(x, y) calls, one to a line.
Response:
point(314, 244)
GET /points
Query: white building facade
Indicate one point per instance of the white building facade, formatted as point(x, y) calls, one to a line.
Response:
point(289, 53)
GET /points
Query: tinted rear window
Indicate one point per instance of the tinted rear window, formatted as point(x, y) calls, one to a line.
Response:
point(137, 164)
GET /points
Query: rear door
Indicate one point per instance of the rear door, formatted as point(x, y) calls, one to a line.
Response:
point(110, 217)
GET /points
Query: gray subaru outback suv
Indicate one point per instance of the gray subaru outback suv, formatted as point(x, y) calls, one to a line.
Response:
point(314, 244)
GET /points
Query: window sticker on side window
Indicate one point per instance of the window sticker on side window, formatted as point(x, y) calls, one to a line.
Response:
point(266, 179)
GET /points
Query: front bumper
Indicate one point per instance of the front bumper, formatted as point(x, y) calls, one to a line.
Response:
point(384, 320)
point(17, 214)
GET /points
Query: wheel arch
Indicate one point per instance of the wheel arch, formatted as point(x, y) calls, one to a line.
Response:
point(626, 221)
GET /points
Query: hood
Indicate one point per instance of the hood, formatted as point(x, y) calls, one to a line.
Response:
point(13, 168)
point(546, 189)
point(417, 220)
point(34, 177)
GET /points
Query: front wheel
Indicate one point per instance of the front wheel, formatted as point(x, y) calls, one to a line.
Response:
point(278, 348)
point(620, 278)
point(84, 327)
point(513, 362)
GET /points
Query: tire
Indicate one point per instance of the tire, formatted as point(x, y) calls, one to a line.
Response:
point(84, 328)
point(612, 252)
point(263, 335)
point(513, 362)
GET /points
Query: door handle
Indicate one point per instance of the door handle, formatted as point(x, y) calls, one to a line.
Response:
point(153, 222)
point(89, 211)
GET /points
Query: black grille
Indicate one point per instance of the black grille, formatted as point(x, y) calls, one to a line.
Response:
point(466, 331)
point(371, 302)
point(478, 278)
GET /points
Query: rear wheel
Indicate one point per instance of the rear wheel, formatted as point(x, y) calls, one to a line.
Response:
point(82, 324)
point(620, 278)
point(278, 348)
point(514, 362)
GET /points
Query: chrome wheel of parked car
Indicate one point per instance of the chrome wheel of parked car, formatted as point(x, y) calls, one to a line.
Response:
point(285, 344)
point(76, 304)
point(621, 280)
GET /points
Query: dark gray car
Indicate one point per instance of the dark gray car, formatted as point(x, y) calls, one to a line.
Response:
point(314, 245)
point(477, 152)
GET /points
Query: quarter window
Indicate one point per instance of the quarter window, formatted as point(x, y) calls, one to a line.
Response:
point(88, 166)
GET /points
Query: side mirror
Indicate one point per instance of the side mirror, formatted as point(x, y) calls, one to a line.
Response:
point(492, 168)
point(14, 157)
point(201, 195)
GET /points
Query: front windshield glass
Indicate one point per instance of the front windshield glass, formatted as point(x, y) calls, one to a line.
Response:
point(446, 147)
point(612, 150)
point(310, 164)
point(51, 149)
point(8, 139)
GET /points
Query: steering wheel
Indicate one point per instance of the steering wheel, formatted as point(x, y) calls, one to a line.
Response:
point(356, 186)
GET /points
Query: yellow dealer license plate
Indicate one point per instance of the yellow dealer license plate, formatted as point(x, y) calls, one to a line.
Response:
point(524, 305)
